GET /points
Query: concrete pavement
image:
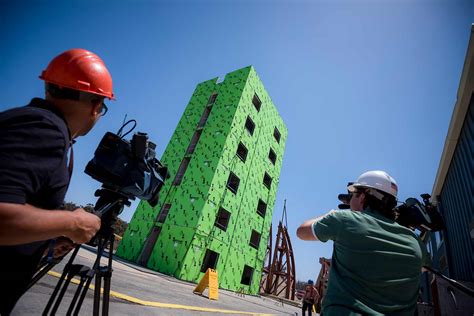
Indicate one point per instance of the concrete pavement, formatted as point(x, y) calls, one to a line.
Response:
point(139, 291)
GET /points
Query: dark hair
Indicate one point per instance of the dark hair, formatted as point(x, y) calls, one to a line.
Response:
point(62, 93)
point(384, 207)
point(58, 92)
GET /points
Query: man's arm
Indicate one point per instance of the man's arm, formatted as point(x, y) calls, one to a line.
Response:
point(23, 223)
point(306, 232)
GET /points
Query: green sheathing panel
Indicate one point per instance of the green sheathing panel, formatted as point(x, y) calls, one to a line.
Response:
point(145, 217)
point(189, 230)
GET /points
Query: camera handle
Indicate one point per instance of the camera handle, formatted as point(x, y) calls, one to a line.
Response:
point(108, 212)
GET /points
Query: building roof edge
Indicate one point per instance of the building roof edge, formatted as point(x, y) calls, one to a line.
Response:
point(464, 93)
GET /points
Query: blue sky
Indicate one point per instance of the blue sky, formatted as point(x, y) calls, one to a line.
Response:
point(361, 85)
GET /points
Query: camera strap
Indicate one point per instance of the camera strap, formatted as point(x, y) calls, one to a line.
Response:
point(50, 256)
point(70, 166)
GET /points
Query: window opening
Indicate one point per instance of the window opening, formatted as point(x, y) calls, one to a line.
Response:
point(254, 239)
point(256, 102)
point(181, 171)
point(250, 125)
point(222, 219)
point(261, 208)
point(194, 142)
point(163, 213)
point(267, 180)
point(277, 135)
point(272, 156)
point(233, 182)
point(204, 117)
point(210, 260)
point(212, 99)
point(242, 152)
point(247, 275)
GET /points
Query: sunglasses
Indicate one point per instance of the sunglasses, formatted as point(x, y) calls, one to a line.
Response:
point(94, 99)
point(356, 193)
point(103, 109)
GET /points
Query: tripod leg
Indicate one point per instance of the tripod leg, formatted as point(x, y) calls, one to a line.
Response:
point(78, 291)
point(43, 270)
point(90, 275)
point(84, 291)
point(107, 278)
point(66, 270)
point(74, 299)
point(98, 284)
point(106, 297)
point(63, 291)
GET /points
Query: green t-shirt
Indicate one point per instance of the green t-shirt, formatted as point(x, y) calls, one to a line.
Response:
point(376, 264)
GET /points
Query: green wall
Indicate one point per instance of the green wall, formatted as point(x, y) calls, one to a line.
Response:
point(188, 229)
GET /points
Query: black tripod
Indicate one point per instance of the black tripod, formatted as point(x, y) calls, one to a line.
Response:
point(109, 205)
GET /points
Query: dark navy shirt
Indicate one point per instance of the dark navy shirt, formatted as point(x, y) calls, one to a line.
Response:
point(34, 142)
point(34, 145)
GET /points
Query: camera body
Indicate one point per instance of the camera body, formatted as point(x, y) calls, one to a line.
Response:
point(129, 168)
point(422, 216)
point(412, 213)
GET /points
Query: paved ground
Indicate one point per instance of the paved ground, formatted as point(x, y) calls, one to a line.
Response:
point(134, 289)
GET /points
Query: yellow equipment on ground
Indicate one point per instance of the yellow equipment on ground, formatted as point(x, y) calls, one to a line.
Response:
point(209, 280)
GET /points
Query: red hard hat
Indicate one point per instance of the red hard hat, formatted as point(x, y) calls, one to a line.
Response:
point(82, 70)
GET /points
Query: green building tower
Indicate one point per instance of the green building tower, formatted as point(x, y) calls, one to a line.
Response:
point(216, 209)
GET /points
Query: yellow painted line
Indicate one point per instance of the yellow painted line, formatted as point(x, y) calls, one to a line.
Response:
point(164, 305)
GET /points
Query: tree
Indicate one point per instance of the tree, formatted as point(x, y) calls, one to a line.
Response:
point(69, 206)
point(120, 227)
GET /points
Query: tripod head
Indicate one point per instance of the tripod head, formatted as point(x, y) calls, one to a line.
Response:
point(109, 205)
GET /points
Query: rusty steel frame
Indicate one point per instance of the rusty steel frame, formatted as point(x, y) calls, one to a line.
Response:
point(323, 277)
point(279, 275)
point(267, 264)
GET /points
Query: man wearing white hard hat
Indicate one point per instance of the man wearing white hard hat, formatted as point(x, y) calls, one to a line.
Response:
point(376, 263)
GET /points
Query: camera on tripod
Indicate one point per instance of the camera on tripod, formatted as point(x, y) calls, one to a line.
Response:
point(411, 213)
point(129, 168)
point(126, 170)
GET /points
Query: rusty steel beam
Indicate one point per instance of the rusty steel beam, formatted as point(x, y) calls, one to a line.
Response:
point(264, 282)
point(281, 277)
point(291, 287)
point(323, 277)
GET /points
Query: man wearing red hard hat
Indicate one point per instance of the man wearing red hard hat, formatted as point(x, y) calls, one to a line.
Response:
point(36, 162)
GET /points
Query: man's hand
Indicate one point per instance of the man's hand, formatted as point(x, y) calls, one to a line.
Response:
point(61, 247)
point(86, 226)
point(24, 223)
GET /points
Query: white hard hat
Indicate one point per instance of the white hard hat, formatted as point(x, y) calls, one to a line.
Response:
point(376, 179)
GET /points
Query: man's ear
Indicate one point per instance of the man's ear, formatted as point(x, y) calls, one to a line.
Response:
point(96, 107)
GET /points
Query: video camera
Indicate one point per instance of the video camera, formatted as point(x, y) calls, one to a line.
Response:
point(129, 168)
point(411, 213)
point(424, 217)
point(126, 170)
